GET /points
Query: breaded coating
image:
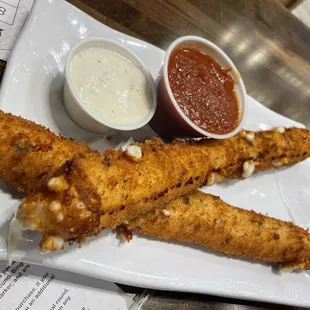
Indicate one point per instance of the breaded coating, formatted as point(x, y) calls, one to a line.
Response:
point(31, 153)
point(104, 190)
point(206, 220)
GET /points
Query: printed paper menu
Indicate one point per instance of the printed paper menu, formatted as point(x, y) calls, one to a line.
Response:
point(13, 14)
point(28, 287)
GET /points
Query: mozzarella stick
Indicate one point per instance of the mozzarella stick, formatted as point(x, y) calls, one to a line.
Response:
point(208, 221)
point(101, 191)
point(31, 153)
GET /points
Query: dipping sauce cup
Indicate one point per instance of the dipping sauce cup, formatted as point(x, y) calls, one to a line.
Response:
point(170, 120)
point(107, 87)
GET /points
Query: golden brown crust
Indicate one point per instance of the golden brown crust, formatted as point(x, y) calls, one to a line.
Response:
point(31, 153)
point(208, 221)
point(114, 188)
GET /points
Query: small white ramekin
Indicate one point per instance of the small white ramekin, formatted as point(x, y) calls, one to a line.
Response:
point(75, 107)
point(169, 119)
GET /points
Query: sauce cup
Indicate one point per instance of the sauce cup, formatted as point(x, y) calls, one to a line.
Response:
point(169, 120)
point(79, 112)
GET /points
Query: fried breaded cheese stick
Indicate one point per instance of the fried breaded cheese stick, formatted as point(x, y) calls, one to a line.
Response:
point(206, 220)
point(30, 153)
point(104, 190)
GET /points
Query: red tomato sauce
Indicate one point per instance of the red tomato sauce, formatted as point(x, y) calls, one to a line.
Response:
point(203, 90)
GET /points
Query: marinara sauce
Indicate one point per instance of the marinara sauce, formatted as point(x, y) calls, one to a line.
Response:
point(203, 90)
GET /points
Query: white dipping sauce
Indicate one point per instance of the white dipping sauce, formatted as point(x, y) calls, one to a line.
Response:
point(111, 86)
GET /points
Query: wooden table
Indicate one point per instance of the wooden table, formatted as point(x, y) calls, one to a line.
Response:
point(270, 47)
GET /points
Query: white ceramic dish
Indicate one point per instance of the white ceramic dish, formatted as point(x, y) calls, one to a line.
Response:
point(78, 111)
point(32, 87)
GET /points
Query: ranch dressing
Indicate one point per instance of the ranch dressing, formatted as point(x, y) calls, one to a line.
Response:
point(111, 86)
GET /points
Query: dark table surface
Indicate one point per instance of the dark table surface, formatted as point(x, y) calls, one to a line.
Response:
point(270, 47)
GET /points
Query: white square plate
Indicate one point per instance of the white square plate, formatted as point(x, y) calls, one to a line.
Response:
point(32, 87)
